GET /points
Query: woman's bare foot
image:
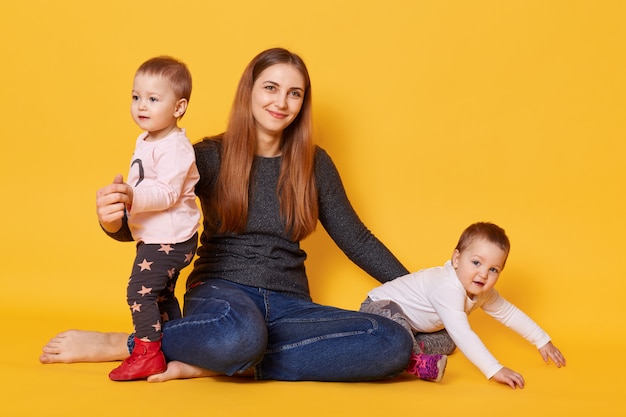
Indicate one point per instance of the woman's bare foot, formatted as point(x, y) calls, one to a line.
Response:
point(85, 346)
point(181, 370)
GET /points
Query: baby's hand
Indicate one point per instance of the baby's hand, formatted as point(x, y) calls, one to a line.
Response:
point(126, 190)
point(111, 200)
point(549, 351)
point(509, 377)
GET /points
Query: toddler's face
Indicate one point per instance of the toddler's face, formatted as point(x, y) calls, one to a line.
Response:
point(154, 105)
point(478, 267)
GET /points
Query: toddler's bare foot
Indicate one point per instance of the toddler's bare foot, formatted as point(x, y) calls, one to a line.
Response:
point(181, 370)
point(85, 346)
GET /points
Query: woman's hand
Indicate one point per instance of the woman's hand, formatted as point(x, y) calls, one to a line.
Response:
point(111, 203)
point(509, 377)
point(549, 351)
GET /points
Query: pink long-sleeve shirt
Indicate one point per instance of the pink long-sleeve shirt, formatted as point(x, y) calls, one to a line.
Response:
point(163, 175)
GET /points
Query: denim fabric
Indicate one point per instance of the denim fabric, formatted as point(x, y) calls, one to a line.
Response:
point(229, 327)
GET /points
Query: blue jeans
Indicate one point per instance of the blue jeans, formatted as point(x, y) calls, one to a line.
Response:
point(229, 327)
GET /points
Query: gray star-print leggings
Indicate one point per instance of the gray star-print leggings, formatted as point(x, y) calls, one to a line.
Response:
point(150, 292)
point(438, 342)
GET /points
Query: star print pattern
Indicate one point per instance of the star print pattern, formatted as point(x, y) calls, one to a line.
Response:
point(166, 248)
point(145, 265)
point(143, 291)
point(150, 292)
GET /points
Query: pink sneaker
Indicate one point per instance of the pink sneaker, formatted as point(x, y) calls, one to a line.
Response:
point(428, 367)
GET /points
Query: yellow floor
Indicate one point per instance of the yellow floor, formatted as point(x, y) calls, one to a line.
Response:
point(591, 384)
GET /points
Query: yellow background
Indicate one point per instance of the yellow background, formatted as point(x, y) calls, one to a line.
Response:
point(437, 113)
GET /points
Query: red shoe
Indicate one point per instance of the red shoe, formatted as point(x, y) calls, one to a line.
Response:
point(146, 359)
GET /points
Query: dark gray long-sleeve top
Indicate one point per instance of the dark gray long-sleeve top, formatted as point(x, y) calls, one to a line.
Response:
point(264, 255)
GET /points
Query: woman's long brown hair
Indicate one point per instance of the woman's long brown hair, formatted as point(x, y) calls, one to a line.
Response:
point(296, 189)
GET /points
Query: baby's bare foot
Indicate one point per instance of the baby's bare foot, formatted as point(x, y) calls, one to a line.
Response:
point(181, 370)
point(85, 346)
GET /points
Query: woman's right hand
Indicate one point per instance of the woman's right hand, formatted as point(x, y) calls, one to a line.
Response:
point(111, 201)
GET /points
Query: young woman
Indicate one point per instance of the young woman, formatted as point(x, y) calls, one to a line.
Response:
point(263, 186)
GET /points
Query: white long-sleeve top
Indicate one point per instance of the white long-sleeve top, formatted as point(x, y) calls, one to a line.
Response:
point(434, 298)
point(163, 175)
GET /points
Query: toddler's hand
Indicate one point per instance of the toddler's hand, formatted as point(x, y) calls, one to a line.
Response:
point(111, 200)
point(549, 351)
point(509, 377)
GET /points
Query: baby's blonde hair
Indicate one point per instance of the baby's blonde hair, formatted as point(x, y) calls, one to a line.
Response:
point(173, 70)
point(484, 230)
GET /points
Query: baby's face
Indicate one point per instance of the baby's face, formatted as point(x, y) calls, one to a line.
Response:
point(478, 267)
point(154, 106)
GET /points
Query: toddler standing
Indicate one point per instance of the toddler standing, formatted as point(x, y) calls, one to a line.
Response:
point(163, 216)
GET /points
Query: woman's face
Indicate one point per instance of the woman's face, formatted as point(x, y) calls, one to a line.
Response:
point(277, 97)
